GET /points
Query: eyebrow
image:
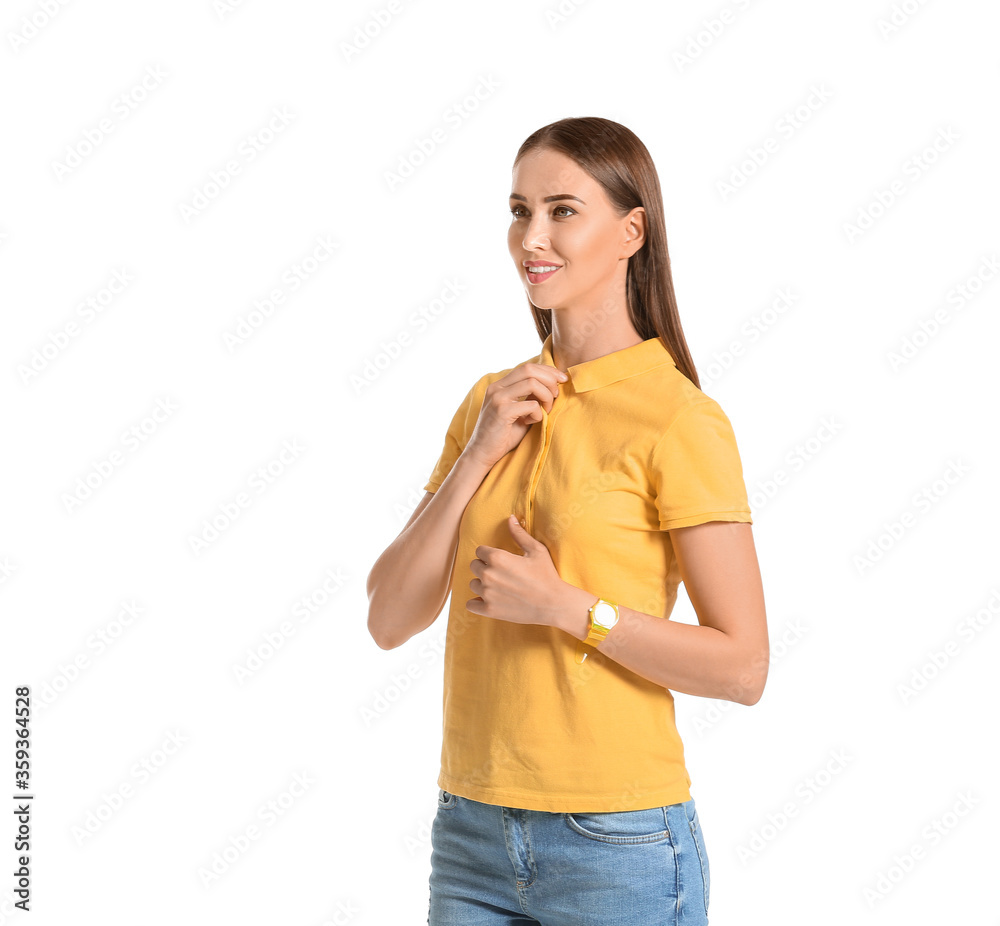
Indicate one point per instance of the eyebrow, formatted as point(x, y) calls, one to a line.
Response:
point(549, 199)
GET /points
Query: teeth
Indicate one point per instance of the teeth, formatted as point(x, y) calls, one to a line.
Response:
point(541, 269)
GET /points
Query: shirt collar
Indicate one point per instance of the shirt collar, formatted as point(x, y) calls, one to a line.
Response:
point(618, 365)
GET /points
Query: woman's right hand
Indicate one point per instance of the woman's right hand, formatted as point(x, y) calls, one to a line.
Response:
point(511, 406)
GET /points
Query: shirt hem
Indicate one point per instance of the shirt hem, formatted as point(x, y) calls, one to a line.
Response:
point(566, 803)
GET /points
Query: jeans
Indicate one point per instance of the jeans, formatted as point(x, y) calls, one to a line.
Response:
point(493, 865)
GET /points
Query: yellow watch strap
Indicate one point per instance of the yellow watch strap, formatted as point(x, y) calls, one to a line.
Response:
point(595, 634)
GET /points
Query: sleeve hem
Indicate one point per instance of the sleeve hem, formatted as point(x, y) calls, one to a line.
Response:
point(733, 514)
point(432, 486)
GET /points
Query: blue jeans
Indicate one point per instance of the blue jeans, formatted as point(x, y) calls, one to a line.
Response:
point(503, 866)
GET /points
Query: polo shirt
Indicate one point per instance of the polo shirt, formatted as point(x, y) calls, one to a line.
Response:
point(631, 449)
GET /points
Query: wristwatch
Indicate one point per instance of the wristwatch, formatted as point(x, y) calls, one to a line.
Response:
point(603, 615)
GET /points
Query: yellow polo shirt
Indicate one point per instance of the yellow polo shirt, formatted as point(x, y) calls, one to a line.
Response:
point(631, 449)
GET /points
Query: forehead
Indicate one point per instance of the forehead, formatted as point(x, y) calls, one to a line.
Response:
point(545, 172)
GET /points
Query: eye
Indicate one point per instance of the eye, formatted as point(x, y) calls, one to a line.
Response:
point(514, 212)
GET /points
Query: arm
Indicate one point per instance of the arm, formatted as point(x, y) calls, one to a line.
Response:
point(726, 655)
point(410, 581)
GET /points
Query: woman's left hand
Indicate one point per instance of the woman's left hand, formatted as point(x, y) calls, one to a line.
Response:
point(523, 589)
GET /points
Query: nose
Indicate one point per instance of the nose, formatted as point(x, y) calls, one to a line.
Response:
point(535, 235)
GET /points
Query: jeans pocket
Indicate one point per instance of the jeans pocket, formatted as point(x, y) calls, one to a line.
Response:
point(446, 798)
point(699, 841)
point(624, 827)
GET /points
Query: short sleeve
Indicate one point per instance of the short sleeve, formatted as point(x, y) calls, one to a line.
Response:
point(463, 423)
point(697, 473)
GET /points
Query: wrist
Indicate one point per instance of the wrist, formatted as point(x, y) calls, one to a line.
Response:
point(473, 458)
point(574, 613)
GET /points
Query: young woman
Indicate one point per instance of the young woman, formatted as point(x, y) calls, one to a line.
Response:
point(575, 491)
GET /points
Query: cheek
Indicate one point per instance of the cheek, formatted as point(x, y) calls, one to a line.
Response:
point(514, 242)
point(586, 247)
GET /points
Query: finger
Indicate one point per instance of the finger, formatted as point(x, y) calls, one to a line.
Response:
point(544, 390)
point(521, 537)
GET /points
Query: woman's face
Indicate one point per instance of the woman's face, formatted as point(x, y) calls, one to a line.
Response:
point(577, 230)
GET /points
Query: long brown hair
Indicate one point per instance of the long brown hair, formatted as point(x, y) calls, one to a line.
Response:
point(615, 157)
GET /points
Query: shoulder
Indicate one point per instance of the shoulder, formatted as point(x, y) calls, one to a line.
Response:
point(677, 398)
point(476, 394)
point(487, 379)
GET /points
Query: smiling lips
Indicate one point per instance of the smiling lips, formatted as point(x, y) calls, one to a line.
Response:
point(539, 271)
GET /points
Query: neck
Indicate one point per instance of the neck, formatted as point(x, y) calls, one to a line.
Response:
point(576, 339)
point(597, 326)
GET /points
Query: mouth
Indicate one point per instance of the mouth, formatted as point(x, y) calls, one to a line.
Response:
point(541, 271)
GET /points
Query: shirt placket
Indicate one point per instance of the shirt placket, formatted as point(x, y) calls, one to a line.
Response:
point(547, 426)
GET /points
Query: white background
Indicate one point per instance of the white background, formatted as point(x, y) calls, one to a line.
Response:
point(849, 631)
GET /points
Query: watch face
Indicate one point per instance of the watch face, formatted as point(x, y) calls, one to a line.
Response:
point(605, 615)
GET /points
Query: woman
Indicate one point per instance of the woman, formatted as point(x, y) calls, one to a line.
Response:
point(573, 494)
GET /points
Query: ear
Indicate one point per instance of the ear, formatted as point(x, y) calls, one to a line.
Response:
point(635, 231)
